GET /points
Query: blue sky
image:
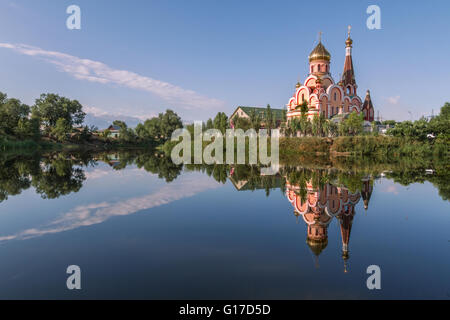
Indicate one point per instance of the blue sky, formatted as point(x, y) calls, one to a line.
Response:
point(200, 57)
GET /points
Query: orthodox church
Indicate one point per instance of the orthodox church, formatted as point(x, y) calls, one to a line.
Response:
point(323, 95)
point(321, 205)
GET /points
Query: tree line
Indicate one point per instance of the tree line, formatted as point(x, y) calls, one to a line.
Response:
point(60, 119)
point(423, 129)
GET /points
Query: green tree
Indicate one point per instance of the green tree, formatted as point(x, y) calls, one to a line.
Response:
point(12, 112)
point(141, 132)
point(127, 135)
point(221, 122)
point(316, 128)
point(49, 108)
point(28, 129)
point(270, 120)
point(353, 125)
point(120, 124)
point(61, 130)
point(209, 124)
point(170, 122)
point(242, 123)
point(333, 128)
point(304, 123)
point(153, 128)
point(326, 127)
point(255, 120)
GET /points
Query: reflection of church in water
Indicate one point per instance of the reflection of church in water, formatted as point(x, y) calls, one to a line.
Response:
point(319, 206)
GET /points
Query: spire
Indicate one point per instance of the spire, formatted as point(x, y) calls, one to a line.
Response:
point(366, 193)
point(346, 227)
point(348, 76)
point(349, 41)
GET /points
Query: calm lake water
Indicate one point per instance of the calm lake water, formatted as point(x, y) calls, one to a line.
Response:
point(140, 227)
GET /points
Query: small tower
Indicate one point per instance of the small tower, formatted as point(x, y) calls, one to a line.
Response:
point(348, 76)
point(366, 192)
point(367, 108)
point(346, 220)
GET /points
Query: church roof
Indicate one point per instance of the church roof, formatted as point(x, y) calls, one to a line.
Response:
point(367, 102)
point(348, 77)
point(277, 113)
point(319, 53)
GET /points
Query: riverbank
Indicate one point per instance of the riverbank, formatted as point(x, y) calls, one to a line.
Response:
point(295, 148)
point(7, 145)
point(362, 145)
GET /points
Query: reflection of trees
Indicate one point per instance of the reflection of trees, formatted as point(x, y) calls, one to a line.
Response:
point(160, 165)
point(51, 178)
point(58, 177)
point(217, 171)
point(440, 179)
point(14, 177)
point(59, 174)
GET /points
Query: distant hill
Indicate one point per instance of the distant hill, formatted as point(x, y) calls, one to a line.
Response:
point(104, 121)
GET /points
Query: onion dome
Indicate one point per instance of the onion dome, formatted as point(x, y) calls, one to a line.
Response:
point(317, 246)
point(319, 53)
point(349, 42)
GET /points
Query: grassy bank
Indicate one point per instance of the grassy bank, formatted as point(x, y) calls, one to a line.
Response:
point(10, 145)
point(300, 148)
point(27, 145)
point(376, 146)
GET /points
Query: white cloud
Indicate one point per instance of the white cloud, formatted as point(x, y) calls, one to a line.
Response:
point(95, 213)
point(393, 100)
point(95, 71)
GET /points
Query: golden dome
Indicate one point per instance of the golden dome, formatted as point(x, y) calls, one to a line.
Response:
point(317, 246)
point(298, 85)
point(349, 42)
point(319, 53)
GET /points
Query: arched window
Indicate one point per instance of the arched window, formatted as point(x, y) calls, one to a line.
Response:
point(318, 67)
point(303, 97)
point(335, 96)
point(332, 110)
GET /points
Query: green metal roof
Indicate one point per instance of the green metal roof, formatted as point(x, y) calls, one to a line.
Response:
point(277, 113)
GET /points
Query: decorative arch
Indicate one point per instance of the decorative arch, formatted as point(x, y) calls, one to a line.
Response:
point(313, 99)
point(357, 101)
point(334, 88)
point(311, 81)
point(347, 104)
point(355, 108)
point(303, 90)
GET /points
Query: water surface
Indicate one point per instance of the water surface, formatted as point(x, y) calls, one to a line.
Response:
point(141, 227)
